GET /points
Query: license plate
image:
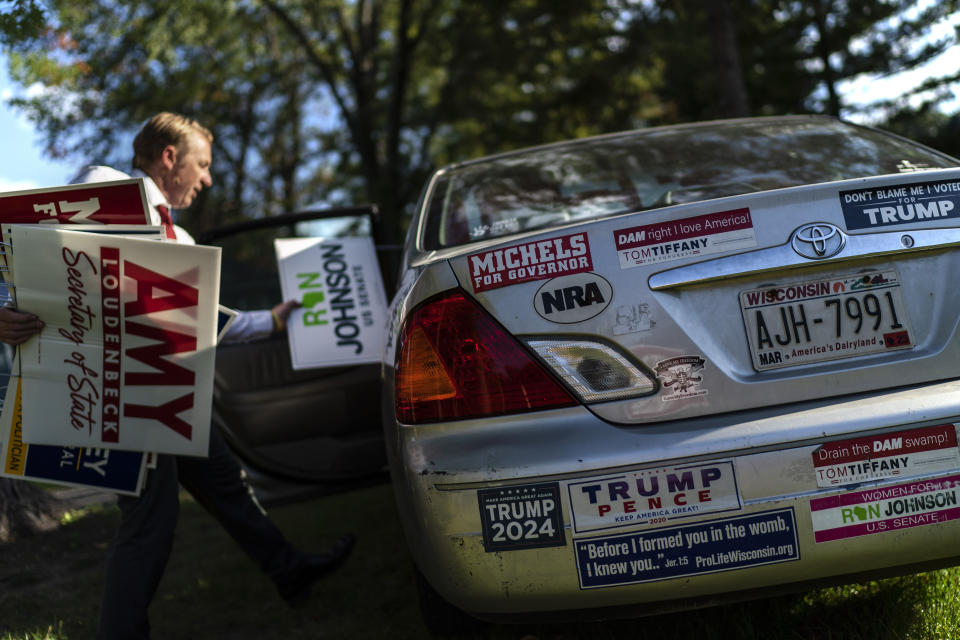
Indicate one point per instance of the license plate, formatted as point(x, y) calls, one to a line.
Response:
point(828, 319)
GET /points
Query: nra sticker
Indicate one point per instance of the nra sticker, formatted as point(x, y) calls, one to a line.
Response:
point(574, 298)
point(888, 508)
point(900, 454)
point(681, 377)
point(901, 204)
point(538, 260)
point(521, 517)
point(651, 496)
point(676, 239)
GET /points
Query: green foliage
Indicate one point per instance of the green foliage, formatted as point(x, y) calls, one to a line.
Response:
point(333, 102)
point(20, 19)
point(40, 634)
point(836, 40)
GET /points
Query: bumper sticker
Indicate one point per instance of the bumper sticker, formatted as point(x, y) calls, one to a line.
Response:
point(538, 260)
point(902, 506)
point(904, 453)
point(521, 517)
point(704, 547)
point(677, 239)
point(681, 377)
point(901, 204)
point(574, 298)
point(652, 496)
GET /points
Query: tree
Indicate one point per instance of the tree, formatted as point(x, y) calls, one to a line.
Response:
point(731, 91)
point(837, 40)
point(336, 102)
point(21, 19)
point(327, 100)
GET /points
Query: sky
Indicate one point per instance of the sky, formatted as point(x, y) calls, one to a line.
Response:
point(23, 165)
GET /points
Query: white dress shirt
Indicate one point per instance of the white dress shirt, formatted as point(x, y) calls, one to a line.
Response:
point(248, 325)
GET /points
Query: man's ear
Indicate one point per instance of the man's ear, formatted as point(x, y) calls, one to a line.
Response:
point(168, 157)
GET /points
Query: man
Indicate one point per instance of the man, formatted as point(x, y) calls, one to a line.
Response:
point(173, 154)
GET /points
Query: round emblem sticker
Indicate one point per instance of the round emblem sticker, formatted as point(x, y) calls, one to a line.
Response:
point(573, 298)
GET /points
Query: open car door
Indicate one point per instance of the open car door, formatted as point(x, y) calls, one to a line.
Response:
point(299, 432)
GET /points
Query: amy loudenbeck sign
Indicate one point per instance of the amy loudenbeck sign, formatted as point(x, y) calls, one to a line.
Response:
point(126, 358)
point(338, 282)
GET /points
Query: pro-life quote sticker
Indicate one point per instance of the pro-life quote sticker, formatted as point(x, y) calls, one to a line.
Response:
point(903, 453)
point(704, 547)
point(676, 239)
point(521, 517)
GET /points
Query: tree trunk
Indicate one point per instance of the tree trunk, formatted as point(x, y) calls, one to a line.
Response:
point(26, 509)
point(823, 50)
point(732, 99)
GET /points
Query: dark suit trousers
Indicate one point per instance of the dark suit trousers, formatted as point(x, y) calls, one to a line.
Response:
point(139, 552)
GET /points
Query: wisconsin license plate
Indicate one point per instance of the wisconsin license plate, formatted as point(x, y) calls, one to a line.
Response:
point(828, 319)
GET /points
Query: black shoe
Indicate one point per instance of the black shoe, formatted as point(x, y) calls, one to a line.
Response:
point(294, 586)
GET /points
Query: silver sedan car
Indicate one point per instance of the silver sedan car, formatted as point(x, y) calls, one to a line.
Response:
point(677, 366)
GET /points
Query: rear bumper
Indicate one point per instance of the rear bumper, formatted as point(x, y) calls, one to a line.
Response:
point(588, 534)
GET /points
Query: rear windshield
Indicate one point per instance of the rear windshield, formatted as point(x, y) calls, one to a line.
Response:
point(648, 169)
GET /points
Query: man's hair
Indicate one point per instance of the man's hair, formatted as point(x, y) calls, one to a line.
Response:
point(162, 130)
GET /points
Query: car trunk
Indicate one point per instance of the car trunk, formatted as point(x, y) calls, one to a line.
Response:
point(728, 304)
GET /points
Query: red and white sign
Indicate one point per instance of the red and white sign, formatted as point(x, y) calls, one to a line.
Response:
point(126, 358)
point(650, 496)
point(118, 202)
point(860, 513)
point(904, 453)
point(539, 260)
point(676, 239)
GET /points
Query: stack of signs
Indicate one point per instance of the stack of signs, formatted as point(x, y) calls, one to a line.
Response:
point(121, 202)
point(125, 362)
point(338, 282)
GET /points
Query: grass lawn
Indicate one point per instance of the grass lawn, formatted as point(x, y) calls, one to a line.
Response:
point(50, 587)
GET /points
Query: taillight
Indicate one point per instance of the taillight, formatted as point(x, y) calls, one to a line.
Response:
point(456, 361)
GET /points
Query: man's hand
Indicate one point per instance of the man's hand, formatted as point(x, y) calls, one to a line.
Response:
point(281, 312)
point(16, 327)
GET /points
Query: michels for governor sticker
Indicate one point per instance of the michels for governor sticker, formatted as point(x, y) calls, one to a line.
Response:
point(891, 508)
point(904, 453)
point(901, 204)
point(675, 239)
point(521, 517)
point(538, 260)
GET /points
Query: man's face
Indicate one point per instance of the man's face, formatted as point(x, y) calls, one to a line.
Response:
point(190, 172)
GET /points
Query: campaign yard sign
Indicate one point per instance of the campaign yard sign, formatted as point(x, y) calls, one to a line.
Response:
point(344, 311)
point(122, 202)
point(120, 471)
point(126, 358)
point(115, 202)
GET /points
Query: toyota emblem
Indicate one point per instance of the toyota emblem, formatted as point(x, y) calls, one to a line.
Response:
point(818, 240)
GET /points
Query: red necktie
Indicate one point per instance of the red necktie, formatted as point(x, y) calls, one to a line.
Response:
point(166, 221)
